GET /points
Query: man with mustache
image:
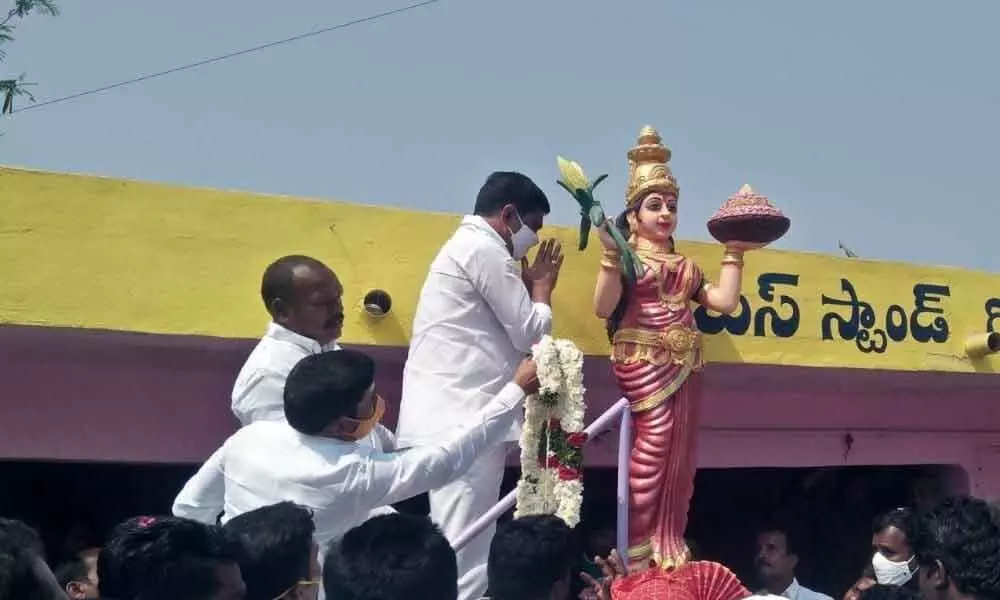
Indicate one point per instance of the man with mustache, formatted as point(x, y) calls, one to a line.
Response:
point(305, 301)
point(776, 560)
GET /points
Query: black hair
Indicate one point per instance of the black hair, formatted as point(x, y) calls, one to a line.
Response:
point(324, 387)
point(792, 535)
point(902, 519)
point(21, 553)
point(72, 569)
point(392, 557)
point(506, 187)
point(278, 281)
point(889, 592)
point(529, 556)
point(963, 534)
point(621, 222)
point(277, 548)
point(163, 558)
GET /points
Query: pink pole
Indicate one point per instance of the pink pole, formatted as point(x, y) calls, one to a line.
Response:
point(600, 424)
point(624, 450)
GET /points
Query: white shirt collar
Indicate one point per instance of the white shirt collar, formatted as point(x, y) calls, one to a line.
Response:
point(793, 590)
point(283, 334)
point(479, 224)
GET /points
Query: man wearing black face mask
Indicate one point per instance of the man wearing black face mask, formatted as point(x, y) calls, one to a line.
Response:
point(481, 310)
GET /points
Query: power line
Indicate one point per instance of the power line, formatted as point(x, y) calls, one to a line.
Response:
point(227, 56)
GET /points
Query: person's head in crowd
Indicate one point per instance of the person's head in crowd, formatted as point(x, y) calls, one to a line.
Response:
point(531, 558)
point(304, 295)
point(166, 558)
point(515, 207)
point(332, 394)
point(893, 562)
point(889, 592)
point(280, 558)
point(391, 557)
point(78, 575)
point(24, 575)
point(777, 558)
point(957, 545)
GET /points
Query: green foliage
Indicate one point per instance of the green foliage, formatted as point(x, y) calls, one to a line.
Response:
point(15, 87)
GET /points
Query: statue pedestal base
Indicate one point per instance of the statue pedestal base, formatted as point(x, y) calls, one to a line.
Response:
point(698, 580)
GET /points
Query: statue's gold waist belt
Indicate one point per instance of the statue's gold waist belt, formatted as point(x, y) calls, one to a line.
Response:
point(677, 343)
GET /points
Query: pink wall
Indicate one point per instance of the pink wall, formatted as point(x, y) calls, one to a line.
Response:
point(101, 396)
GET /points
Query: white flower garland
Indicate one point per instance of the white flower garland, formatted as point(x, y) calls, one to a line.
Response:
point(551, 461)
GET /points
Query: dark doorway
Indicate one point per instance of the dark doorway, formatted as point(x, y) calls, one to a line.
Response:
point(74, 505)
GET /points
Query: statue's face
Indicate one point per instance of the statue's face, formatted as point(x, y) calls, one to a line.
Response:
point(657, 217)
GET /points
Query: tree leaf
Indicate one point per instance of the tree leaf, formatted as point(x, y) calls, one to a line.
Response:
point(23, 7)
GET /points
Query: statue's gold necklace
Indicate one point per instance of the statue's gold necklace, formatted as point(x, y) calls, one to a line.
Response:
point(656, 258)
point(656, 254)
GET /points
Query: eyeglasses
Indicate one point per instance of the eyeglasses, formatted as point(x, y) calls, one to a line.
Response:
point(297, 584)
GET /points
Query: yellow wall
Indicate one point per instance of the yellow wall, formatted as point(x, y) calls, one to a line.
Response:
point(104, 253)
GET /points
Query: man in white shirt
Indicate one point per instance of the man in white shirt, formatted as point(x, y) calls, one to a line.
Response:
point(313, 458)
point(777, 557)
point(305, 301)
point(478, 315)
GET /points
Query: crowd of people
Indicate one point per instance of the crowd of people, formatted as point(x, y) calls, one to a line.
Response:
point(297, 504)
point(950, 552)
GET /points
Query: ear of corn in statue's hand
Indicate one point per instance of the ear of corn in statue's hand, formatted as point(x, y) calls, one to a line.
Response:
point(575, 181)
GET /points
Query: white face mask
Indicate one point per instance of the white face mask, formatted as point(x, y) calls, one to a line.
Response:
point(521, 240)
point(889, 572)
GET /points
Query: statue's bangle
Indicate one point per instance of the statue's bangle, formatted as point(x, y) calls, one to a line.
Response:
point(611, 254)
point(733, 258)
point(610, 264)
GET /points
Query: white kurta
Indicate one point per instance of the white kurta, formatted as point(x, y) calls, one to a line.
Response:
point(343, 483)
point(259, 391)
point(797, 591)
point(474, 323)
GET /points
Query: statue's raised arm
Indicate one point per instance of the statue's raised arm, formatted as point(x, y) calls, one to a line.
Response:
point(575, 181)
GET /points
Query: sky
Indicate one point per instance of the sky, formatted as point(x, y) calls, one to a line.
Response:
point(874, 123)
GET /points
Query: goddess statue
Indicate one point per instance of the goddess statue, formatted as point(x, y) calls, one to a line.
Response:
point(656, 349)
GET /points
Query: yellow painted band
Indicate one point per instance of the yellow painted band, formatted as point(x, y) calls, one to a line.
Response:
point(93, 252)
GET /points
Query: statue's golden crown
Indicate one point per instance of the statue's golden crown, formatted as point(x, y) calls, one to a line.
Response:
point(647, 168)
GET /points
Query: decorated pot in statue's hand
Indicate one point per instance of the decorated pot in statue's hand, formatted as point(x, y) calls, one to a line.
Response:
point(748, 217)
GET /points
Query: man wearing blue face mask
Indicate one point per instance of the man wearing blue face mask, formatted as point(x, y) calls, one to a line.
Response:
point(480, 311)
